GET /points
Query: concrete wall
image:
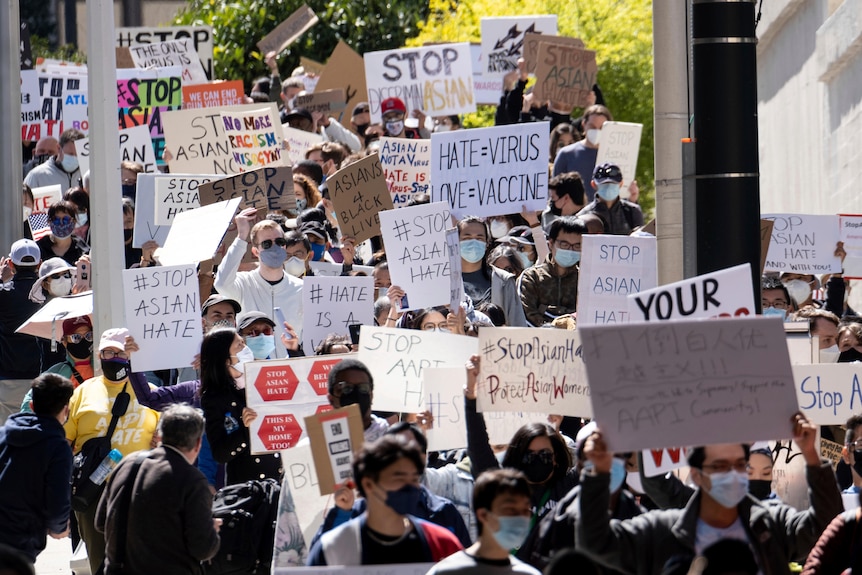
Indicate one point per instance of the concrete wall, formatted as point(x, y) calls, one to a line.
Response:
point(809, 101)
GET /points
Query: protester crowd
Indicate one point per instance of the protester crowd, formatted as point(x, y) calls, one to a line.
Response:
point(551, 499)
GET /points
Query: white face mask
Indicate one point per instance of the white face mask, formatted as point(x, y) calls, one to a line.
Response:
point(830, 354)
point(27, 212)
point(60, 287)
point(295, 267)
point(244, 355)
point(799, 290)
point(593, 136)
point(499, 228)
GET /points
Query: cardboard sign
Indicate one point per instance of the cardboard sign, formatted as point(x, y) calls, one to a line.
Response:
point(136, 145)
point(255, 138)
point(829, 393)
point(831, 451)
point(456, 281)
point(201, 37)
point(198, 141)
point(213, 95)
point(329, 269)
point(707, 381)
point(45, 196)
point(195, 235)
point(61, 98)
point(437, 79)
point(176, 195)
point(298, 142)
point(324, 101)
point(311, 66)
point(565, 74)
point(163, 315)
point(503, 40)
point(171, 53)
point(335, 436)
point(621, 143)
point(346, 70)
point(524, 369)
point(725, 293)
point(491, 171)
point(397, 358)
point(612, 269)
point(288, 31)
point(803, 244)
point(661, 461)
point(124, 58)
point(406, 167)
point(359, 194)
point(332, 304)
point(485, 90)
point(850, 227)
point(143, 96)
point(146, 228)
point(415, 239)
point(269, 188)
point(284, 392)
point(531, 48)
point(765, 239)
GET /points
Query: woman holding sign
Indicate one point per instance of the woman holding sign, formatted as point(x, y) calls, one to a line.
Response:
point(223, 354)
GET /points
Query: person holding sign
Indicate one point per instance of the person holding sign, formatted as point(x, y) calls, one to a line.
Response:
point(620, 216)
point(268, 286)
point(721, 508)
point(501, 502)
point(550, 289)
point(393, 111)
point(350, 381)
point(581, 156)
point(387, 473)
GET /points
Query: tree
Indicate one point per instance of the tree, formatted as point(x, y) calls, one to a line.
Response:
point(620, 31)
point(238, 26)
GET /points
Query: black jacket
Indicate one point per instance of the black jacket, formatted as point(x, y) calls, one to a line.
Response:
point(20, 354)
point(35, 469)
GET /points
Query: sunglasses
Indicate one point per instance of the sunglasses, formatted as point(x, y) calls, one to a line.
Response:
point(266, 244)
point(344, 388)
point(254, 332)
point(544, 456)
point(66, 274)
point(61, 221)
point(607, 172)
point(111, 354)
point(77, 337)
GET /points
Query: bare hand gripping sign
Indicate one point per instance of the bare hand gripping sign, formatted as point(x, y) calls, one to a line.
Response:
point(707, 381)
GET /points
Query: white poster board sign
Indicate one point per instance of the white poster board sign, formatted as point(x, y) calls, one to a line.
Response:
point(487, 90)
point(415, 240)
point(661, 461)
point(332, 304)
point(491, 171)
point(333, 270)
point(436, 79)
point(707, 381)
point(284, 392)
point(398, 357)
point(620, 145)
point(255, 137)
point(803, 244)
point(176, 195)
point(503, 40)
point(851, 234)
point(829, 393)
point(136, 145)
point(171, 53)
point(298, 142)
point(725, 293)
point(407, 167)
point(45, 196)
point(613, 268)
point(525, 369)
point(163, 315)
point(456, 280)
point(201, 37)
point(146, 228)
point(309, 506)
point(195, 235)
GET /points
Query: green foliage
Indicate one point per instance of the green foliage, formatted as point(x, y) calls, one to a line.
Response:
point(238, 26)
point(40, 48)
point(620, 31)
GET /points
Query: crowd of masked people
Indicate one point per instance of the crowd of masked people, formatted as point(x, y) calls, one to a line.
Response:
point(552, 498)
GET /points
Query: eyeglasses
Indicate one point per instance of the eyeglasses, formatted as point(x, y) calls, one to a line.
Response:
point(442, 326)
point(111, 354)
point(66, 274)
point(564, 245)
point(344, 388)
point(607, 172)
point(266, 244)
point(854, 445)
point(724, 466)
point(777, 304)
point(545, 456)
point(254, 332)
point(77, 337)
point(65, 220)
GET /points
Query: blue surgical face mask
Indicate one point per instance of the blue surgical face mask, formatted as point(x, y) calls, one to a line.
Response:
point(69, 163)
point(81, 219)
point(472, 250)
point(405, 500)
point(729, 488)
point(525, 259)
point(782, 313)
point(618, 474)
point(566, 258)
point(608, 191)
point(273, 257)
point(318, 250)
point(513, 531)
point(261, 345)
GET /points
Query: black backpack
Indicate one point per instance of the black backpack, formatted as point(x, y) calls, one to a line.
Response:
point(249, 512)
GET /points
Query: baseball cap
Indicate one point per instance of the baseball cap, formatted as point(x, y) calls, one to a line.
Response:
point(299, 113)
point(360, 108)
point(519, 234)
point(392, 105)
point(216, 298)
point(314, 228)
point(114, 338)
point(249, 317)
point(607, 172)
point(72, 324)
point(25, 252)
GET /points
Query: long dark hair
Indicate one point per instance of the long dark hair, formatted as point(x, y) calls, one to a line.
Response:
point(486, 268)
point(215, 353)
point(520, 443)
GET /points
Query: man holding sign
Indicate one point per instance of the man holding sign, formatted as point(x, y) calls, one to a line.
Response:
point(620, 216)
point(720, 509)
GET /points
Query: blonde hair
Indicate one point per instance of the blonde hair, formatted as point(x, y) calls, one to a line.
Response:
point(263, 225)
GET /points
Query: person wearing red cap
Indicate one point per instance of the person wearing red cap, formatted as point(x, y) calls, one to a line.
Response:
point(393, 111)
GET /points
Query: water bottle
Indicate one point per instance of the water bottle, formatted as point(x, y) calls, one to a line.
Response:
point(230, 423)
point(106, 466)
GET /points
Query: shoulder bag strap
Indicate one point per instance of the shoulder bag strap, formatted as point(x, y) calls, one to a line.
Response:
point(121, 405)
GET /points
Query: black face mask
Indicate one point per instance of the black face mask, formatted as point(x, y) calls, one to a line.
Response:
point(850, 356)
point(41, 158)
point(363, 400)
point(130, 191)
point(857, 465)
point(760, 488)
point(539, 472)
point(127, 234)
point(361, 129)
point(81, 350)
point(115, 370)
